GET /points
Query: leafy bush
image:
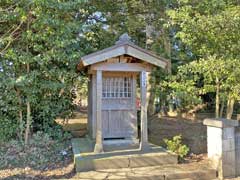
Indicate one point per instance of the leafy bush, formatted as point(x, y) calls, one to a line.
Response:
point(8, 111)
point(175, 145)
point(8, 129)
point(57, 133)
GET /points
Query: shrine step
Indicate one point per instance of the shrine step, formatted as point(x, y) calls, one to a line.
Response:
point(165, 172)
point(86, 160)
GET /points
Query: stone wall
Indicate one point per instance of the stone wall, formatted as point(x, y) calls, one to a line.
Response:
point(237, 145)
point(228, 152)
point(223, 138)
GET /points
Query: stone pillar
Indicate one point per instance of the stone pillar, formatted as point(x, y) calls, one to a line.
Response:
point(99, 139)
point(144, 129)
point(221, 145)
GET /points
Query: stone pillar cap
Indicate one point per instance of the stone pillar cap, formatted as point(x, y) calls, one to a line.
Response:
point(220, 122)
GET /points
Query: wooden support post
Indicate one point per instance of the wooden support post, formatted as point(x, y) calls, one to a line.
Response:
point(99, 139)
point(144, 129)
point(89, 105)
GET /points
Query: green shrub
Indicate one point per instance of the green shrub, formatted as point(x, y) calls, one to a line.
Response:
point(175, 145)
point(8, 129)
point(57, 133)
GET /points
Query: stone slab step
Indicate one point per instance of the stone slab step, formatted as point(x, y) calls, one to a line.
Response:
point(167, 172)
point(86, 160)
point(194, 175)
point(120, 160)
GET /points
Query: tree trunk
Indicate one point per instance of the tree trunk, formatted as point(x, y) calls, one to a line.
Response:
point(217, 98)
point(167, 43)
point(20, 114)
point(222, 108)
point(230, 106)
point(151, 105)
point(28, 123)
point(151, 79)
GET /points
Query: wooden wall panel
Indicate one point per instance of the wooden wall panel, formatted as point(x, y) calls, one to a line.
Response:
point(237, 150)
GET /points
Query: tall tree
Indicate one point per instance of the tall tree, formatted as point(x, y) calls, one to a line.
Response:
point(210, 29)
point(40, 46)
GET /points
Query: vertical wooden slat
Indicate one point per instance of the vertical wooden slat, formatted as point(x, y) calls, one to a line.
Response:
point(99, 138)
point(107, 87)
point(112, 87)
point(130, 87)
point(127, 79)
point(108, 122)
point(115, 87)
point(144, 129)
point(104, 87)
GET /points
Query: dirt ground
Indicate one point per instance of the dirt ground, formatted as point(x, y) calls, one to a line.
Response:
point(193, 134)
point(43, 158)
point(53, 171)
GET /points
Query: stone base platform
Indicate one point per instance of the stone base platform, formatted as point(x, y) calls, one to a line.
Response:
point(192, 171)
point(86, 160)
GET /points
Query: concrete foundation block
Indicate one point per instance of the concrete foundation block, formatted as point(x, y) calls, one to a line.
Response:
point(228, 145)
point(222, 145)
point(228, 133)
point(83, 165)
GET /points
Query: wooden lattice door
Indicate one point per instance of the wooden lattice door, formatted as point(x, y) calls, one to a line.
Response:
point(119, 115)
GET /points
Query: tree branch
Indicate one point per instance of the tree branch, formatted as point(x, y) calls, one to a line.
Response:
point(11, 34)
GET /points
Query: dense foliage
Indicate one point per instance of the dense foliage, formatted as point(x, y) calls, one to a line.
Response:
point(211, 75)
point(41, 42)
point(210, 30)
point(39, 46)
